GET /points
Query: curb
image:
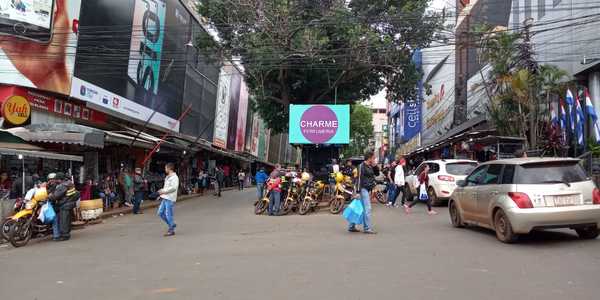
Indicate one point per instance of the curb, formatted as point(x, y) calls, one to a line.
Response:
point(148, 204)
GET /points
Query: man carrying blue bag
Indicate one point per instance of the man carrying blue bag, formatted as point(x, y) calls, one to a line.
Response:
point(359, 210)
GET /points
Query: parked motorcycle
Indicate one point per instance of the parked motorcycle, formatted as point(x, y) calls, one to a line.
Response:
point(6, 223)
point(295, 193)
point(26, 223)
point(314, 194)
point(260, 206)
point(380, 192)
point(344, 189)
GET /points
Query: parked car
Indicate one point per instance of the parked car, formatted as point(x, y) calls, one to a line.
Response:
point(516, 196)
point(443, 175)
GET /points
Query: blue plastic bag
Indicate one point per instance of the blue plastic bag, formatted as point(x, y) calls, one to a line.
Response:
point(49, 213)
point(423, 196)
point(354, 212)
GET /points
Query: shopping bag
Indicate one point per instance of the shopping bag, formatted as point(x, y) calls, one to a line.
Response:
point(423, 193)
point(47, 213)
point(354, 212)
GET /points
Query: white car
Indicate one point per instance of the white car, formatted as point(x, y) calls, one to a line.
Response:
point(443, 175)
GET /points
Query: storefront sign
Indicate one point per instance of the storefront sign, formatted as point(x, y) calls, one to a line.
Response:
point(16, 110)
point(437, 98)
point(436, 118)
point(319, 124)
point(412, 119)
point(43, 102)
point(410, 146)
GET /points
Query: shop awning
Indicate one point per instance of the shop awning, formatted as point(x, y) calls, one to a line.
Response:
point(125, 138)
point(40, 154)
point(61, 134)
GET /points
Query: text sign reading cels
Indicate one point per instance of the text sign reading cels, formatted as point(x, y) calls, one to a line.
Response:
point(16, 110)
point(319, 124)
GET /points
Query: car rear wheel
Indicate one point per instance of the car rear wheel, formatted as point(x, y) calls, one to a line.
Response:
point(588, 233)
point(504, 231)
point(455, 215)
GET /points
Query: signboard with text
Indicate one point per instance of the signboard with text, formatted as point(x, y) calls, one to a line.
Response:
point(319, 124)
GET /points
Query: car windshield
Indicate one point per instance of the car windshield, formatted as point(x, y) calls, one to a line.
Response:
point(554, 172)
point(462, 168)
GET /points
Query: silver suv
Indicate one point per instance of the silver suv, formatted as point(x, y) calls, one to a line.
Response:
point(516, 196)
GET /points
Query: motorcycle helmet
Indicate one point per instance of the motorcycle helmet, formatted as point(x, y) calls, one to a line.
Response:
point(305, 176)
point(339, 177)
point(40, 195)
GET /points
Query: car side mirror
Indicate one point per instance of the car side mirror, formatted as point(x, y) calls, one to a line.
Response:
point(461, 183)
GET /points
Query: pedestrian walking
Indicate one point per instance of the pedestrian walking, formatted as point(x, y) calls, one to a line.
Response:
point(241, 176)
point(399, 181)
point(220, 176)
point(261, 178)
point(274, 187)
point(202, 181)
point(168, 197)
point(390, 172)
point(423, 187)
point(367, 174)
point(139, 190)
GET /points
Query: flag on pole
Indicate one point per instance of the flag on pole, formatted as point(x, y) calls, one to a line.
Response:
point(570, 101)
point(563, 122)
point(553, 117)
point(579, 122)
point(592, 113)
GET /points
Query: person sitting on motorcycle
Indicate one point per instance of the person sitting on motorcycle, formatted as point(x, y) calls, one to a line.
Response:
point(274, 187)
point(63, 196)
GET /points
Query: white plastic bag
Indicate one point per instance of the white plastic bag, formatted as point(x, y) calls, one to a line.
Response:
point(423, 193)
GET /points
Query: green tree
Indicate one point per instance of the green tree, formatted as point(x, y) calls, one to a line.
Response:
point(309, 51)
point(361, 130)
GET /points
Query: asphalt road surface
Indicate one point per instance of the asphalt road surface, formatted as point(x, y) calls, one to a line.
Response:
point(223, 251)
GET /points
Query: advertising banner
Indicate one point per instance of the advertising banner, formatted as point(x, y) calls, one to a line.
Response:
point(254, 139)
point(234, 107)
point(319, 124)
point(131, 57)
point(37, 43)
point(222, 109)
point(241, 121)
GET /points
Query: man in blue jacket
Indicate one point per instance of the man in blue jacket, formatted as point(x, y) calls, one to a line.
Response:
point(261, 177)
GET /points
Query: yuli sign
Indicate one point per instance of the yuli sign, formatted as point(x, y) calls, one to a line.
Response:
point(16, 110)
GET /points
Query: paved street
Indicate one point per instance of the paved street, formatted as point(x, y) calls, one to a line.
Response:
point(223, 251)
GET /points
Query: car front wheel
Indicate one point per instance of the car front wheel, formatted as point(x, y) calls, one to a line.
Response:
point(588, 233)
point(455, 215)
point(504, 231)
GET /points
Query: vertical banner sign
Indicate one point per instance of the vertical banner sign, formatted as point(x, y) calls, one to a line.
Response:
point(234, 103)
point(254, 137)
point(146, 44)
point(319, 124)
point(222, 108)
point(241, 121)
point(412, 119)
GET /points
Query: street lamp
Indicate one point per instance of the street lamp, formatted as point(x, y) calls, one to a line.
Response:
point(22, 159)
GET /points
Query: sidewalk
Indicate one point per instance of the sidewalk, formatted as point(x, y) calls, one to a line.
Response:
point(148, 204)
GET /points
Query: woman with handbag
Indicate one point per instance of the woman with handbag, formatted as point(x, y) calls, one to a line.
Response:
point(423, 196)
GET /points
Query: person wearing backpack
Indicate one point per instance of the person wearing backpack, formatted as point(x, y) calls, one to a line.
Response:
point(367, 173)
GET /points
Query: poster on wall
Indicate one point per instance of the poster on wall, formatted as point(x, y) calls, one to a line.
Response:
point(38, 41)
point(222, 109)
point(254, 135)
point(140, 70)
point(234, 107)
point(319, 124)
point(242, 118)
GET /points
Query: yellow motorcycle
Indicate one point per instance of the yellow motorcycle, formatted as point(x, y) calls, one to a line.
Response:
point(314, 194)
point(344, 189)
point(26, 223)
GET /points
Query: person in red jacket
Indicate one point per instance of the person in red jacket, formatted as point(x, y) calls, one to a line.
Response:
point(423, 184)
point(274, 187)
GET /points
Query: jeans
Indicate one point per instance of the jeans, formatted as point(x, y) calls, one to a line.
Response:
point(241, 181)
point(427, 202)
point(391, 192)
point(274, 202)
point(399, 190)
point(108, 199)
point(364, 197)
point(138, 197)
point(260, 187)
point(165, 212)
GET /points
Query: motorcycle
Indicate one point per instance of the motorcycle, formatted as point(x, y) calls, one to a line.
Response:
point(26, 223)
point(344, 189)
point(380, 192)
point(260, 206)
point(295, 193)
point(314, 194)
point(6, 223)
